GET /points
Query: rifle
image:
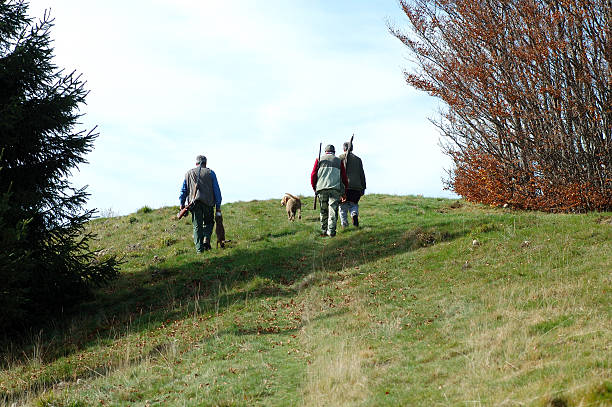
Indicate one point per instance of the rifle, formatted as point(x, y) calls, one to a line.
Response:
point(184, 211)
point(348, 151)
point(318, 162)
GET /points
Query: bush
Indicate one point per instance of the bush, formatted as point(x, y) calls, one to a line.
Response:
point(527, 90)
point(144, 209)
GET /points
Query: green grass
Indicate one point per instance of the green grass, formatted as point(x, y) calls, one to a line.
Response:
point(406, 310)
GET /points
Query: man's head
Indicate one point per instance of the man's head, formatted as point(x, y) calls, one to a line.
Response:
point(201, 160)
point(330, 149)
point(345, 146)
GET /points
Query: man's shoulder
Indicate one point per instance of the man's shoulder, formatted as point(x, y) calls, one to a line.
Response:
point(195, 171)
point(352, 157)
point(329, 157)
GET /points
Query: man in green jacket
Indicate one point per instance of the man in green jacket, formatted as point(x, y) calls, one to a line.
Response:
point(356, 186)
point(328, 180)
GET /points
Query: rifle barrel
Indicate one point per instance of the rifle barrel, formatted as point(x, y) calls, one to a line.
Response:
point(314, 206)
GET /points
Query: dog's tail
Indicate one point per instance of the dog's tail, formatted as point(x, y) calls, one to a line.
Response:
point(292, 196)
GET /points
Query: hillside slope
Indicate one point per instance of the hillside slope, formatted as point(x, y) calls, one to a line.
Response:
point(430, 302)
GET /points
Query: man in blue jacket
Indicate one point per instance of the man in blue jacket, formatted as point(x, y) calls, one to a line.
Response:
point(201, 187)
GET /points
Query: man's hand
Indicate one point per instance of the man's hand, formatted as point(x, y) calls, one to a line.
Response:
point(182, 207)
point(343, 198)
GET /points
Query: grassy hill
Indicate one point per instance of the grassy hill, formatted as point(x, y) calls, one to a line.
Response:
point(430, 302)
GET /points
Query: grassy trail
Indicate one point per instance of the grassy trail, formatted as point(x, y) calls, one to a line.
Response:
point(430, 302)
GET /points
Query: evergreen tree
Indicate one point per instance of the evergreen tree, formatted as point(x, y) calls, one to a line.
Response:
point(45, 261)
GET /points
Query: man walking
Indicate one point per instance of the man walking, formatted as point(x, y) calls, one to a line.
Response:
point(356, 186)
point(202, 188)
point(328, 180)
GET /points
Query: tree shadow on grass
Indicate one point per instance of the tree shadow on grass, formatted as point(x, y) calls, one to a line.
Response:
point(138, 302)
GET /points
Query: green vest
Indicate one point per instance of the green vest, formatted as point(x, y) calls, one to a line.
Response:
point(328, 176)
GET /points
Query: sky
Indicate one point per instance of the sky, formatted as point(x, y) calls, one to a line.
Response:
point(253, 85)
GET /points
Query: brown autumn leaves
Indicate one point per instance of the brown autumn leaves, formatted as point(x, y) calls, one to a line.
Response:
point(528, 91)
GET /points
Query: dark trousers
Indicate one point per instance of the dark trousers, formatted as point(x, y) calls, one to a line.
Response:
point(203, 220)
point(353, 195)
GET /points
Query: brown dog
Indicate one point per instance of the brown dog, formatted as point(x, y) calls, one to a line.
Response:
point(220, 230)
point(293, 204)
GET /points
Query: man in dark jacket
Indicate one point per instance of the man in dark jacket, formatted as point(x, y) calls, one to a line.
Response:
point(201, 187)
point(328, 180)
point(356, 186)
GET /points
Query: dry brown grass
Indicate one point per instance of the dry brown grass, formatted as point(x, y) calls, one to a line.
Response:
point(335, 376)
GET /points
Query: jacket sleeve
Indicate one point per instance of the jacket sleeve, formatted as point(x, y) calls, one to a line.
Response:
point(216, 190)
point(343, 175)
point(363, 181)
point(314, 175)
point(184, 193)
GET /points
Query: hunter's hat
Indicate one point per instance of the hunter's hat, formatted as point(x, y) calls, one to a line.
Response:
point(201, 159)
point(330, 148)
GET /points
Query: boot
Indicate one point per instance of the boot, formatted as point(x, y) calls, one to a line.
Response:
point(206, 245)
point(355, 221)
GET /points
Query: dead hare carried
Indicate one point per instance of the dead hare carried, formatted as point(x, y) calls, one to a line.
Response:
point(220, 231)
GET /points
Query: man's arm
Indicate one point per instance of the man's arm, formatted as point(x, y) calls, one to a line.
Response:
point(314, 175)
point(184, 193)
point(363, 181)
point(216, 190)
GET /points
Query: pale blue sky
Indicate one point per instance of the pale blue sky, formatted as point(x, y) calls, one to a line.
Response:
point(253, 85)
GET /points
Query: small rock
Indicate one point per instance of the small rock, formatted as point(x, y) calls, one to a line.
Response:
point(475, 242)
point(525, 243)
point(466, 265)
point(505, 205)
